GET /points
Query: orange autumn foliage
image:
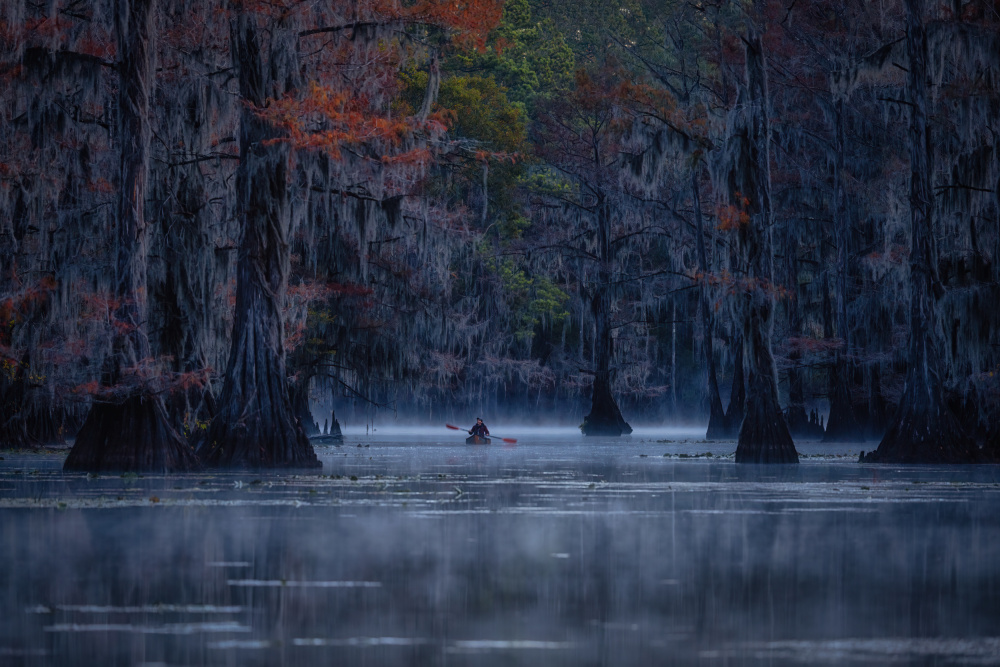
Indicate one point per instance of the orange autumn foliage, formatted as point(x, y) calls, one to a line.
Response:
point(471, 20)
point(330, 120)
point(344, 106)
point(733, 216)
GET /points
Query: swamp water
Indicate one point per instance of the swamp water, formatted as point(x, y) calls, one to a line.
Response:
point(420, 550)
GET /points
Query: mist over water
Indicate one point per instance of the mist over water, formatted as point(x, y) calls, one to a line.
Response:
point(412, 548)
point(535, 433)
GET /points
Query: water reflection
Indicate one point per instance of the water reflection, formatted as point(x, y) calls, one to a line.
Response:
point(554, 552)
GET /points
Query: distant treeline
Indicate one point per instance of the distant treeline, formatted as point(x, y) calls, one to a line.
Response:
point(219, 221)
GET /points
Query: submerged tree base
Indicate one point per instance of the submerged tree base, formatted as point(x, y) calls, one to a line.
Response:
point(614, 429)
point(133, 436)
point(252, 443)
point(718, 426)
point(255, 426)
point(991, 450)
point(925, 436)
point(605, 418)
point(246, 450)
point(764, 436)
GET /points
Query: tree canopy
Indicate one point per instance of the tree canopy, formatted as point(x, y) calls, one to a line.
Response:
point(236, 217)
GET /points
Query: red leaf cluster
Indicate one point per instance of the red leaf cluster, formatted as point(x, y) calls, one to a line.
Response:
point(733, 216)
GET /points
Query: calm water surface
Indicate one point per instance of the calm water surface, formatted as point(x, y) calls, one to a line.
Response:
point(416, 549)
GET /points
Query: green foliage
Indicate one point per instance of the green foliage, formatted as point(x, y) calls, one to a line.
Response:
point(547, 181)
point(482, 112)
point(477, 106)
point(492, 128)
point(530, 58)
point(532, 299)
point(412, 84)
point(593, 28)
point(514, 226)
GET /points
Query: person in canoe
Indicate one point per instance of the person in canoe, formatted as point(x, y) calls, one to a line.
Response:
point(479, 434)
point(479, 428)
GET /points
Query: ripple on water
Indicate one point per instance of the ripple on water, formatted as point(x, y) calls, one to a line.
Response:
point(361, 641)
point(167, 629)
point(483, 645)
point(143, 609)
point(888, 650)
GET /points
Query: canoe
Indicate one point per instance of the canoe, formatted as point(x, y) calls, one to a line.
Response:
point(477, 440)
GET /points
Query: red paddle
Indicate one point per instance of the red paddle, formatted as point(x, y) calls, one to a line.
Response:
point(456, 428)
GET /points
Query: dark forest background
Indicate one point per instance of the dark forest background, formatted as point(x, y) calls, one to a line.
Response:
point(227, 218)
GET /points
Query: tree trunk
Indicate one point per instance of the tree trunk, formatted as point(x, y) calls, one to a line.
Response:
point(673, 358)
point(842, 425)
point(738, 391)
point(605, 417)
point(127, 427)
point(255, 425)
point(717, 428)
point(991, 448)
point(924, 429)
point(764, 436)
point(874, 413)
point(303, 411)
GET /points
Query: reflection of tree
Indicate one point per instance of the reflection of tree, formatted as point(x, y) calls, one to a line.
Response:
point(632, 577)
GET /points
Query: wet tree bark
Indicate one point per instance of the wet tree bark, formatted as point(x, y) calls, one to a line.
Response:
point(717, 428)
point(127, 427)
point(738, 392)
point(256, 426)
point(875, 413)
point(842, 425)
point(924, 429)
point(764, 436)
point(605, 418)
point(300, 404)
point(991, 448)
